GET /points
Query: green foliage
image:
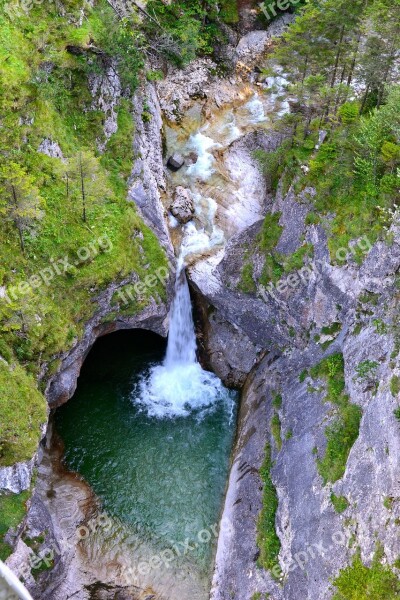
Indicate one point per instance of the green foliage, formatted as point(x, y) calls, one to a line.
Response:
point(22, 412)
point(340, 437)
point(340, 503)
point(396, 413)
point(277, 401)
point(303, 375)
point(380, 326)
point(246, 283)
point(296, 260)
point(388, 502)
point(276, 430)
point(229, 11)
point(395, 385)
point(344, 430)
point(12, 511)
point(272, 164)
point(181, 30)
point(331, 329)
point(358, 582)
point(267, 539)
point(366, 369)
point(270, 233)
point(349, 113)
point(45, 94)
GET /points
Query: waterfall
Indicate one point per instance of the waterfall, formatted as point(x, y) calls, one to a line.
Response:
point(179, 386)
point(181, 340)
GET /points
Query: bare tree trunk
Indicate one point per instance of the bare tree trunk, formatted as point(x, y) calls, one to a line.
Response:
point(364, 98)
point(337, 57)
point(16, 220)
point(354, 60)
point(82, 190)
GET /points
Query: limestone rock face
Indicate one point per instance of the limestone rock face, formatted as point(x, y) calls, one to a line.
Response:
point(182, 206)
point(276, 335)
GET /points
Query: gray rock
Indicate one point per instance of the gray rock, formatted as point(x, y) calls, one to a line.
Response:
point(182, 206)
point(51, 148)
point(175, 162)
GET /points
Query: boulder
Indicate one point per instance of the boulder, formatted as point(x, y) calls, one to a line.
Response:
point(175, 162)
point(182, 206)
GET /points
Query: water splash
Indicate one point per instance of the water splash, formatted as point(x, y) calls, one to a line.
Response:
point(203, 167)
point(179, 386)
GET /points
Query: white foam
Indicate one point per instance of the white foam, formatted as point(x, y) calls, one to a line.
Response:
point(256, 109)
point(203, 167)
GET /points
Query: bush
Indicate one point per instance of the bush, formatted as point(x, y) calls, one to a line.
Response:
point(358, 582)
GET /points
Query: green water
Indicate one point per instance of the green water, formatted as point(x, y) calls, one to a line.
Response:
point(163, 479)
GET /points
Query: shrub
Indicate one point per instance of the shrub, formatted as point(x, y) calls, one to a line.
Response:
point(340, 503)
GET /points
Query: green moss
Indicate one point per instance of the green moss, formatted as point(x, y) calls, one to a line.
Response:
point(395, 385)
point(358, 582)
point(277, 401)
point(270, 232)
point(340, 503)
point(22, 412)
point(366, 368)
point(267, 539)
point(303, 375)
point(344, 430)
point(276, 430)
point(246, 283)
point(296, 261)
point(12, 511)
point(388, 502)
point(229, 12)
point(332, 329)
point(380, 326)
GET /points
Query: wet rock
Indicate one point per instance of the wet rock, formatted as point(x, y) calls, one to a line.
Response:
point(178, 89)
point(182, 206)
point(175, 162)
point(191, 158)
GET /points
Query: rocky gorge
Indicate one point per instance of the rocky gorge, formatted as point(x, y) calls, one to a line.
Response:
point(268, 341)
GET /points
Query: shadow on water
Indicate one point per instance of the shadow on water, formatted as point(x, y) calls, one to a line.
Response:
point(161, 478)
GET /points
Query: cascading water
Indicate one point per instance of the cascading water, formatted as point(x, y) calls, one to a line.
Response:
point(181, 347)
point(179, 385)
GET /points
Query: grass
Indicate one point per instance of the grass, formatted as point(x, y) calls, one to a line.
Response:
point(344, 430)
point(37, 327)
point(22, 413)
point(12, 511)
point(340, 503)
point(358, 582)
point(267, 539)
point(276, 430)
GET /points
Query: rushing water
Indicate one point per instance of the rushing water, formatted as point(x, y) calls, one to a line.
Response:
point(152, 436)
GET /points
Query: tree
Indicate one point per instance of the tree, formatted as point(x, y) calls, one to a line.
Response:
point(20, 201)
point(90, 184)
